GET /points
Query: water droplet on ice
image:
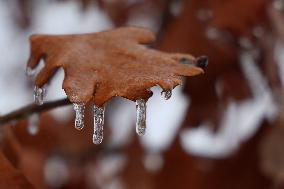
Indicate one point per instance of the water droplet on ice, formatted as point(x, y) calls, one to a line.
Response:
point(39, 93)
point(98, 124)
point(33, 124)
point(166, 94)
point(140, 117)
point(79, 120)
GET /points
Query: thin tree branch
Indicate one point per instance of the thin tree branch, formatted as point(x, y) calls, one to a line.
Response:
point(32, 108)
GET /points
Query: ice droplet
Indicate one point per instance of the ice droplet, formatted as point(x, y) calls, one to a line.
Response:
point(79, 120)
point(98, 124)
point(140, 117)
point(39, 93)
point(33, 124)
point(166, 94)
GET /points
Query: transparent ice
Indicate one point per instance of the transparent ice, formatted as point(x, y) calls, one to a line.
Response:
point(98, 124)
point(39, 94)
point(140, 117)
point(33, 124)
point(79, 120)
point(166, 94)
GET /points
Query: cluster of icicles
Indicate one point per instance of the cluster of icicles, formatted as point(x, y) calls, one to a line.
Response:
point(39, 94)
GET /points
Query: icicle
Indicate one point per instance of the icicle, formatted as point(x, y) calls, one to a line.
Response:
point(79, 120)
point(39, 93)
point(33, 124)
point(98, 124)
point(140, 117)
point(166, 94)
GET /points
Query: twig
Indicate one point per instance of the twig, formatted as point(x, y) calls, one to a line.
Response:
point(32, 108)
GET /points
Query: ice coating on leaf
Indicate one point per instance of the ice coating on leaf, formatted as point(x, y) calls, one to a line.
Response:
point(99, 66)
point(33, 124)
point(166, 94)
point(140, 117)
point(39, 94)
point(98, 124)
point(79, 119)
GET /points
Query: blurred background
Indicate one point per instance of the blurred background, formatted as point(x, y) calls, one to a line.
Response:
point(223, 129)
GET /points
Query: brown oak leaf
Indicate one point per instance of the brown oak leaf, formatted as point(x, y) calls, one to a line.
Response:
point(99, 66)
